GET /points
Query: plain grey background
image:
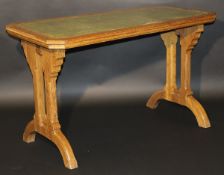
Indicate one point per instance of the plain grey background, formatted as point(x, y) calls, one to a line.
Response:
point(123, 139)
point(125, 70)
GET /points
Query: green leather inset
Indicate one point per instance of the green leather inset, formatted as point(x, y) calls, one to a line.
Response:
point(104, 22)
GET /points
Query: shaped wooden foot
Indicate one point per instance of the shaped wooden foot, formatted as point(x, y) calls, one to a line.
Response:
point(188, 101)
point(153, 101)
point(65, 149)
point(183, 96)
point(29, 133)
point(198, 111)
point(45, 65)
point(57, 137)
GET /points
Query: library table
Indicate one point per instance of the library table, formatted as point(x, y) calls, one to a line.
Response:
point(45, 42)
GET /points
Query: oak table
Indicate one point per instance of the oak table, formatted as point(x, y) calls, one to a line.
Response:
point(45, 42)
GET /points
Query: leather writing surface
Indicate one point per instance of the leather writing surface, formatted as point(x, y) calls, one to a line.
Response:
point(89, 24)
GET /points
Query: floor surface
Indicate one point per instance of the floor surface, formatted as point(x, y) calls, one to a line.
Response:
point(118, 140)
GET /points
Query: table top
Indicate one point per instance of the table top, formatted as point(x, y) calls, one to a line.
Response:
point(74, 31)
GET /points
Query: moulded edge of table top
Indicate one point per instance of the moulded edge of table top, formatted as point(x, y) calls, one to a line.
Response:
point(84, 40)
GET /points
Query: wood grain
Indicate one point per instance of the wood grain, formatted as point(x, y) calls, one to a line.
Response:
point(184, 95)
point(45, 53)
point(121, 31)
point(45, 65)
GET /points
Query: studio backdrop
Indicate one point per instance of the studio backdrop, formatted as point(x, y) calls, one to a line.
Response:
point(123, 70)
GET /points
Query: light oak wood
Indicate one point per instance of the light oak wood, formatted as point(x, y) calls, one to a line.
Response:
point(45, 65)
point(183, 96)
point(153, 25)
point(44, 47)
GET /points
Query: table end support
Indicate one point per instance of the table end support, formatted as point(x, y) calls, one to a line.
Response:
point(183, 95)
point(45, 66)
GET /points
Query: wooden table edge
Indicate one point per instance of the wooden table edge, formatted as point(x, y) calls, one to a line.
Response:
point(95, 38)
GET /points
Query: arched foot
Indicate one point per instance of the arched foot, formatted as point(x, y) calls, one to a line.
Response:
point(29, 133)
point(57, 137)
point(154, 99)
point(185, 100)
point(198, 111)
point(65, 149)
